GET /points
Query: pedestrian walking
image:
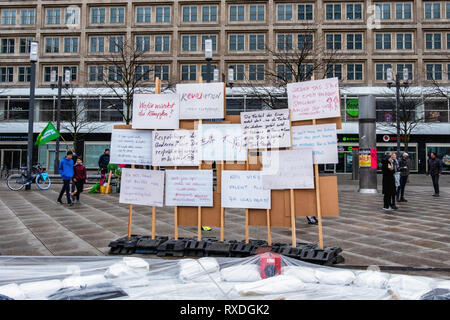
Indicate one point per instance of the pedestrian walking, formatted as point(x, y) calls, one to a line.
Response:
point(103, 162)
point(66, 172)
point(396, 171)
point(435, 171)
point(74, 159)
point(388, 183)
point(79, 179)
point(404, 173)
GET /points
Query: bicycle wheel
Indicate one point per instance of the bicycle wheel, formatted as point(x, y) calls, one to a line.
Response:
point(15, 182)
point(43, 184)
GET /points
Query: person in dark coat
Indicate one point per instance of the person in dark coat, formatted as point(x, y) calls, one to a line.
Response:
point(434, 170)
point(388, 183)
point(103, 162)
point(79, 179)
point(404, 173)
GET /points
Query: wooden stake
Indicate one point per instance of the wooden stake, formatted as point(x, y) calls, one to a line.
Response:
point(222, 211)
point(109, 180)
point(175, 214)
point(130, 213)
point(292, 204)
point(246, 210)
point(157, 91)
point(199, 208)
point(319, 209)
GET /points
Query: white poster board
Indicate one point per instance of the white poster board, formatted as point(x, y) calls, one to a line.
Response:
point(266, 129)
point(155, 111)
point(322, 138)
point(244, 189)
point(131, 147)
point(142, 187)
point(288, 169)
point(221, 142)
point(189, 188)
point(175, 148)
point(201, 100)
point(314, 99)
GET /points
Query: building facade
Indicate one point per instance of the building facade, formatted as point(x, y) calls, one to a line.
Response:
point(370, 36)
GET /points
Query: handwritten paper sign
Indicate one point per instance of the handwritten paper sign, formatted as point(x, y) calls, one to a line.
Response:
point(221, 142)
point(288, 169)
point(314, 99)
point(175, 148)
point(244, 189)
point(142, 187)
point(131, 147)
point(321, 138)
point(189, 188)
point(155, 111)
point(201, 100)
point(266, 129)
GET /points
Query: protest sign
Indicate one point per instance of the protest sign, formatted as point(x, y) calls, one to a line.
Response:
point(244, 189)
point(288, 169)
point(201, 100)
point(321, 138)
point(266, 129)
point(175, 148)
point(190, 188)
point(142, 187)
point(314, 99)
point(221, 142)
point(131, 147)
point(155, 111)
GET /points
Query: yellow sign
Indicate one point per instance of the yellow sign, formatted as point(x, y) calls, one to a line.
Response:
point(364, 158)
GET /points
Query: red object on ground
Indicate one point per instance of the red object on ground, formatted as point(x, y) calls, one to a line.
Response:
point(270, 264)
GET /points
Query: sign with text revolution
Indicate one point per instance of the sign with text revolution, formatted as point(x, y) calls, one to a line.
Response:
point(266, 129)
point(142, 187)
point(175, 148)
point(221, 142)
point(155, 111)
point(190, 188)
point(315, 99)
point(321, 138)
point(201, 100)
point(131, 147)
point(288, 169)
point(244, 189)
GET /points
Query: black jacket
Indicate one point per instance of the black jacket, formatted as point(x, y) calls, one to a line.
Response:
point(434, 166)
point(388, 178)
point(103, 161)
point(403, 163)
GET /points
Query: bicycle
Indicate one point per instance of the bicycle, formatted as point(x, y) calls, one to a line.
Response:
point(16, 182)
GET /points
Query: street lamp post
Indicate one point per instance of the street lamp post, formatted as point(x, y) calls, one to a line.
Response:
point(389, 79)
point(208, 57)
point(58, 110)
point(33, 60)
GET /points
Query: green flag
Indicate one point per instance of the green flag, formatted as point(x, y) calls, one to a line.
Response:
point(48, 134)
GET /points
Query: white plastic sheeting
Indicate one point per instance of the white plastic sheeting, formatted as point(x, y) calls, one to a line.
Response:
point(52, 278)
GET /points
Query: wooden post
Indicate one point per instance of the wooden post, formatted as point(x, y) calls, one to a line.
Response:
point(269, 232)
point(246, 209)
point(222, 210)
point(199, 208)
point(130, 213)
point(292, 200)
point(157, 91)
point(319, 209)
point(175, 214)
point(109, 180)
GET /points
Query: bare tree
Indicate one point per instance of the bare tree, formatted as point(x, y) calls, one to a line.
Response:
point(309, 58)
point(127, 72)
point(74, 118)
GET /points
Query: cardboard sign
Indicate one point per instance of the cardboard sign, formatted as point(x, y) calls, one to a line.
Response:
point(155, 111)
point(142, 187)
point(175, 148)
point(190, 188)
point(221, 142)
point(266, 129)
point(201, 100)
point(321, 138)
point(244, 189)
point(288, 169)
point(131, 147)
point(314, 99)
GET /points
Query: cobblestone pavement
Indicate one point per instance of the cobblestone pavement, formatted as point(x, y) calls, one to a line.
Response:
point(418, 234)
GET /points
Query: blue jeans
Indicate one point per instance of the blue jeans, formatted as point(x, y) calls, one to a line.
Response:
point(65, 188)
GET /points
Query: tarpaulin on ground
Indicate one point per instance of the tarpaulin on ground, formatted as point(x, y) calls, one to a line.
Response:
point(256, 277)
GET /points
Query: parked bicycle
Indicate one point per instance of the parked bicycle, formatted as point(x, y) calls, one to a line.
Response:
point(16, 182)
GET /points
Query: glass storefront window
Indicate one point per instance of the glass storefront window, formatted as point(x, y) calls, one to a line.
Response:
point(436, 111)
point(92, 107)
point(442, 152)
point(109, 110)
point(92, 152)
point(412, 154)
point(47, 154)
point(385, 110)
point(46, 108)
point(18, 109)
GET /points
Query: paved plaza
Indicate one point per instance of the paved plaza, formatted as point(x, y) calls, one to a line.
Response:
point(416, 235)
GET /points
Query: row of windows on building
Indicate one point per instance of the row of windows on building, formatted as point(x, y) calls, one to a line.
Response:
point(242, 72)
point(236, 42)
point(209, 13)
